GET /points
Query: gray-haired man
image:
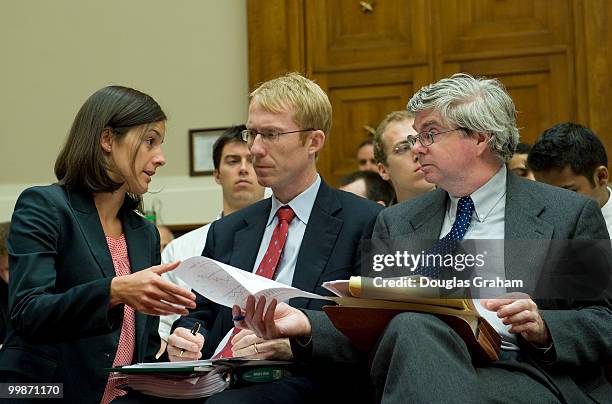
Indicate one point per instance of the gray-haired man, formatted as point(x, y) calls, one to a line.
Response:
point(552, 349)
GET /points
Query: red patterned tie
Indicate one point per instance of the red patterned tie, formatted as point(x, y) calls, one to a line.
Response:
point(269, 262)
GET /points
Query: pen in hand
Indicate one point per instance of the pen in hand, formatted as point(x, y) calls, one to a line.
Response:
point(194, 331)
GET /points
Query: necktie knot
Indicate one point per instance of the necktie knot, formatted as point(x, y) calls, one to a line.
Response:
point(285, 214)
point(465, 206)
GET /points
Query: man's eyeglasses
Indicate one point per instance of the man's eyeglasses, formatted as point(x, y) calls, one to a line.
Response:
point(249, 135)
point(426, 138)
point(401, 148)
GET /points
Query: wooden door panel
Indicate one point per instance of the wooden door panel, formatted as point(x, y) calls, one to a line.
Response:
point(473, 26)
point(593, 65)
point(355, 109)
point(276, 39)
point(551, 54)
point(343, 36)
point(360, 100)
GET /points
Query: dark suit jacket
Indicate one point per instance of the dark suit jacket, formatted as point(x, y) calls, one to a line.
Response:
point(3, 310)
point(534, 211)
point(329, 251)
point(60, 327)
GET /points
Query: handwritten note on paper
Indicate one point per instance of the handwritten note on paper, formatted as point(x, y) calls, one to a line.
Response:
point(228, 285)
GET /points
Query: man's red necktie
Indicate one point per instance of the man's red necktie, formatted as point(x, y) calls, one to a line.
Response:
point(269, 263)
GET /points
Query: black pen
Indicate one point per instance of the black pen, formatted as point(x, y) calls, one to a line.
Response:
point(194, 331)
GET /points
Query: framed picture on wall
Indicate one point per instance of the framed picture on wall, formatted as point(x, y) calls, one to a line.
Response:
point(200, 150)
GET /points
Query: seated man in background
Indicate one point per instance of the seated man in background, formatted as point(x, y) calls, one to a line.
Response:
point(553, 348)
point(518, 162)
point(396, 163)
point(571, 156)
point(369, 185)
point(234, 172)
point(4, 279)
point(365, 156)
point(305, 234)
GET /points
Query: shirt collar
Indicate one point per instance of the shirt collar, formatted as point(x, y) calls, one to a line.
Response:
point(486, 197)
point(301, 204)
point(608, 205)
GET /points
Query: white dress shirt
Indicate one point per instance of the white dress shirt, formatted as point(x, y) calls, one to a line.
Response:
point(487, 223)
point(606, 210)
point(302, 206)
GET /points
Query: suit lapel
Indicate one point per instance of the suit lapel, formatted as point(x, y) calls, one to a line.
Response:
point(523, 224)
point(137, 239)
point(248, 240)
point(318, 242)
point(427, 222)
point(139, 245)
point(91, 228)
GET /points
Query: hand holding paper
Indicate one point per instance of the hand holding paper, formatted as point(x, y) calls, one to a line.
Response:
point(229, 286)
point(278, 320)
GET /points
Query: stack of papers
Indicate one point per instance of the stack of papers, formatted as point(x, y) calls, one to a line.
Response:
point(187, 379)
point(173, 385)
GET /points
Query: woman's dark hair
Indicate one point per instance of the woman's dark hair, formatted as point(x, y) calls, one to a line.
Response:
point(81, 164)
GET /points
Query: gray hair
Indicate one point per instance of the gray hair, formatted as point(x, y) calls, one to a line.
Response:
point(475, 104)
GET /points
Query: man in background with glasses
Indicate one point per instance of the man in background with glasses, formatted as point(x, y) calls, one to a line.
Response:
point(553, 344)
point(396, 163)
point(288, 121)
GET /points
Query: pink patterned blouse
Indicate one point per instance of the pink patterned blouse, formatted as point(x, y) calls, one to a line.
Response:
point(127, 339)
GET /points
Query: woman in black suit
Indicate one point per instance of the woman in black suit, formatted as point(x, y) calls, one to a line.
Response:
point(85, 288)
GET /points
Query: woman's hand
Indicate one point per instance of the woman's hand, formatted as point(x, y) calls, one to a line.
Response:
point(147, 292)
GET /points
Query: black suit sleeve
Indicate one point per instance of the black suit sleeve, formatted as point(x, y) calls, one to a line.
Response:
point(327, 343)
point(38, 311)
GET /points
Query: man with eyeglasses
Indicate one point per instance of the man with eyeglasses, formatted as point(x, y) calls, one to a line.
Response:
point(396, 163)
point(305, 234)
point(555, 329)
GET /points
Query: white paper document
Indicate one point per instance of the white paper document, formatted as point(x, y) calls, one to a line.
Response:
point(339, 288)
point(228, 285)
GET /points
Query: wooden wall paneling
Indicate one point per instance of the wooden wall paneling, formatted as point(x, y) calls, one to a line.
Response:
point(553, 55)
point(580, 62)
point(359, 99)
point(472, 26)
point(593, 66)
point(341, 36)
point(276, 39)
point(540, 87)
